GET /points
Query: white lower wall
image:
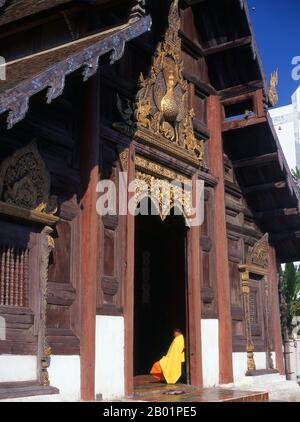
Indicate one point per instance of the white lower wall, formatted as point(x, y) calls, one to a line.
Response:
point(109, 370)
point(15, 368)
point(239, 361)
point(64, 373)
point(210, 351)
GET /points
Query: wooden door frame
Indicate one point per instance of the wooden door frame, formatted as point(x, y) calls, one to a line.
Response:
point(193, 287)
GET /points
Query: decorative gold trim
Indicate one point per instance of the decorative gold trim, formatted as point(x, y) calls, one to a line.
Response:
point(163, 196)
point(257, 263)
point(44, 351)
point(123, 156)
point(144, 164)
point(24, 214)
point(246, 306)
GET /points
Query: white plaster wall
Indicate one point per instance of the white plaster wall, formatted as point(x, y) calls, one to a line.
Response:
point(239, 361)
point(64, 374)
point(17, 368)
point(109, 370)
point(210, 351)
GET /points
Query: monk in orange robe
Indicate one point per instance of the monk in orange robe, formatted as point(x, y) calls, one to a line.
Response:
point(169, 368)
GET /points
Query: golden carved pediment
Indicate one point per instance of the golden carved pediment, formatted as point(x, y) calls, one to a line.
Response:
point(161, 115)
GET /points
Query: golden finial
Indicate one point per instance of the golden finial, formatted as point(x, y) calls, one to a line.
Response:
point(272, 91)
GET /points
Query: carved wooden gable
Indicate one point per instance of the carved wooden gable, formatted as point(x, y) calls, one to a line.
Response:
point(162, 113)
point(259, 255)
point(25, 186)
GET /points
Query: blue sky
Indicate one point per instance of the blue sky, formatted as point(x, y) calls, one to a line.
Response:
point(276, 25)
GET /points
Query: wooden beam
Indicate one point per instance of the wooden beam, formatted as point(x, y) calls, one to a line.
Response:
point(241, 42)
point(265, 187)
point(237, 90)
point(281, 212)
point(275, 310)
point(285, 235)
point(89, 240)
point(129, 280)
point(194, 299)
point(258, 161)
point(242, 123)
point(216, 164)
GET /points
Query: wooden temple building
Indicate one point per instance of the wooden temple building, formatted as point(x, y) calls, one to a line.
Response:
point(89, 302)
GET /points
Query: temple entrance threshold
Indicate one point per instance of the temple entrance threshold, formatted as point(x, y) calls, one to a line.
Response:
point(147, 389)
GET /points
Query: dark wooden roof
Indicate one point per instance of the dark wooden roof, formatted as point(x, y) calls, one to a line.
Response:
point(235, 69)
point(14, 10)
point(265, 179)
point(229, 43)
point(48, 69)
point(17, 9)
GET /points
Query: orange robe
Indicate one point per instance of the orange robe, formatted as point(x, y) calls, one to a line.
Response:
point(169, 367)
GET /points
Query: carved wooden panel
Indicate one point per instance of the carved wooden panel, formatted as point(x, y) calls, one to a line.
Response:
point(109, 253)
point(59, 268)
point(207, 259)
point(110, 263)
point(63, 310)
point(256, 310)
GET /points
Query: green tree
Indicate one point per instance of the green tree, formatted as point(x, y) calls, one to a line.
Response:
point(296, 176)
point(291, 293)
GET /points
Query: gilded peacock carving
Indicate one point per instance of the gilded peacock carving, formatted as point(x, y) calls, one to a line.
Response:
point(161, 107)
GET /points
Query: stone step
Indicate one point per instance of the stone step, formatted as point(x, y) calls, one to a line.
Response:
point(11, 390)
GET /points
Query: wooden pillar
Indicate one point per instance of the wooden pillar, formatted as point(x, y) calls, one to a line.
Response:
point(194, 300)
point(89, 241)
point(129, 282)
point(275, 311)
point(215, 155)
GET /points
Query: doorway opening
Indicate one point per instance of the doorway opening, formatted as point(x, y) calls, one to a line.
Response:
point(160, 293)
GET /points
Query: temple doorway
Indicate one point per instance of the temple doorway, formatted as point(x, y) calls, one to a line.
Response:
point(160, 292)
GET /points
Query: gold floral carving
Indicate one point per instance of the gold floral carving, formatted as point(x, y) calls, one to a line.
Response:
point(259, 255)
point(123, 156)
point(44, 350)
point(246, 306)
point(162, 195)
point(25, 185)
point(157, 169)
point(272, 90)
